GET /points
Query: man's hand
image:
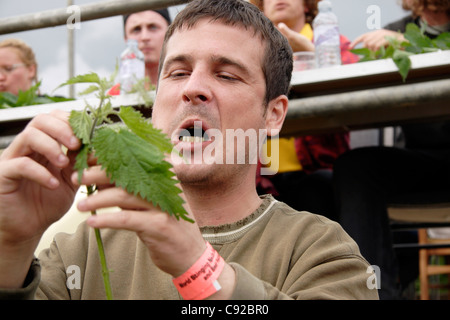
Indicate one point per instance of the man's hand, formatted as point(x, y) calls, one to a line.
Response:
point(35, 190)
point(174, 245)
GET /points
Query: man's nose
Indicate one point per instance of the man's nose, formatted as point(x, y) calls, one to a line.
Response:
point(197, 89)
point(145, 34)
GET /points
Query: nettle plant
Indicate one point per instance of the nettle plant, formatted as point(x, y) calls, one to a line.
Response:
point(400, 51)
point(27, 98)
point(129, 149)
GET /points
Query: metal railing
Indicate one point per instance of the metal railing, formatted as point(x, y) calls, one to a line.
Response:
point(87, 12)
point(98, 10)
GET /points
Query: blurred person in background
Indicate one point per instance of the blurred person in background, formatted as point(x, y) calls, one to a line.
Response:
point(304, 177)
point(148, 28)
point(18, 66)
point(432, 15)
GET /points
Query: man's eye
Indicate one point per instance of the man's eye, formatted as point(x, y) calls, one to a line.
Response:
point(179, 73)
point(136, 30)
point(227, 76)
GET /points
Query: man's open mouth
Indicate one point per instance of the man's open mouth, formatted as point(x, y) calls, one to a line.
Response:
point(193, 133)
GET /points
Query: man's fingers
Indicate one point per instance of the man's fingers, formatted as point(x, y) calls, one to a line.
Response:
point(44, 135)
point(56, 125)
point(356, 42)
point(113, 197)
point(26, 168)
point(92, 176)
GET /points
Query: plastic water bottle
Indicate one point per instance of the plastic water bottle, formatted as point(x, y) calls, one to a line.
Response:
point(132, 66)
point(326, 36)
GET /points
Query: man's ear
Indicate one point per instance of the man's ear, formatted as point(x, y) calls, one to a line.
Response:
point(275, 114)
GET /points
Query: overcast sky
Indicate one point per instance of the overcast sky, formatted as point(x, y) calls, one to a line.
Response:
point(98, 43)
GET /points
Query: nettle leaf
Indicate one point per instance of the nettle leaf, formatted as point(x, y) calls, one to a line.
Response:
point(81, 123)
point(25, 98)
point(416, 37)
point(139, 167)
point(403, 62)
point(8, 100)
point(81, 161)
point(442, 41)
point(105, 112)
point(88, 90)
point(83, 78)
point(144, 129)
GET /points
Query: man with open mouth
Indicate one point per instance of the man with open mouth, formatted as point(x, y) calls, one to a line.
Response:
point(223, 67)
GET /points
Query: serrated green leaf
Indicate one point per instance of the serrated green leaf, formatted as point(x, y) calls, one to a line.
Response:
point(8, 99)
point(58, 98)
point(27, 97)
point(144, 129)
point(137, 166)
point(442, 41)
point(106, 111)
point(84, 78)
point(365, 52)
point(81, 123)
point(81, 161)
point(388, 52)
point(416, 37)
point(403, 62)
point(89, 89)
point(382, 52)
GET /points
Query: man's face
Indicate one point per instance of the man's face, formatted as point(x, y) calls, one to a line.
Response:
point(212, 80)
point(284, 10)
point(148, 28)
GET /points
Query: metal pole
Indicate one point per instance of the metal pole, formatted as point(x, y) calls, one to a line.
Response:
point(58, 17)
point(385, 97)
point(71, 53)
point(368, 108)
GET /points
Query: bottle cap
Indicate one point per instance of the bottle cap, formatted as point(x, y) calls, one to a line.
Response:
point(324, 5)
point(132, 42)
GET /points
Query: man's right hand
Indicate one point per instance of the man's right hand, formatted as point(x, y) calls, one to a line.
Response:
point(35, 190)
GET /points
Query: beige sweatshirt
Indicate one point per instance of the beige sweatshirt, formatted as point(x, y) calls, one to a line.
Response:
point(277, 252)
